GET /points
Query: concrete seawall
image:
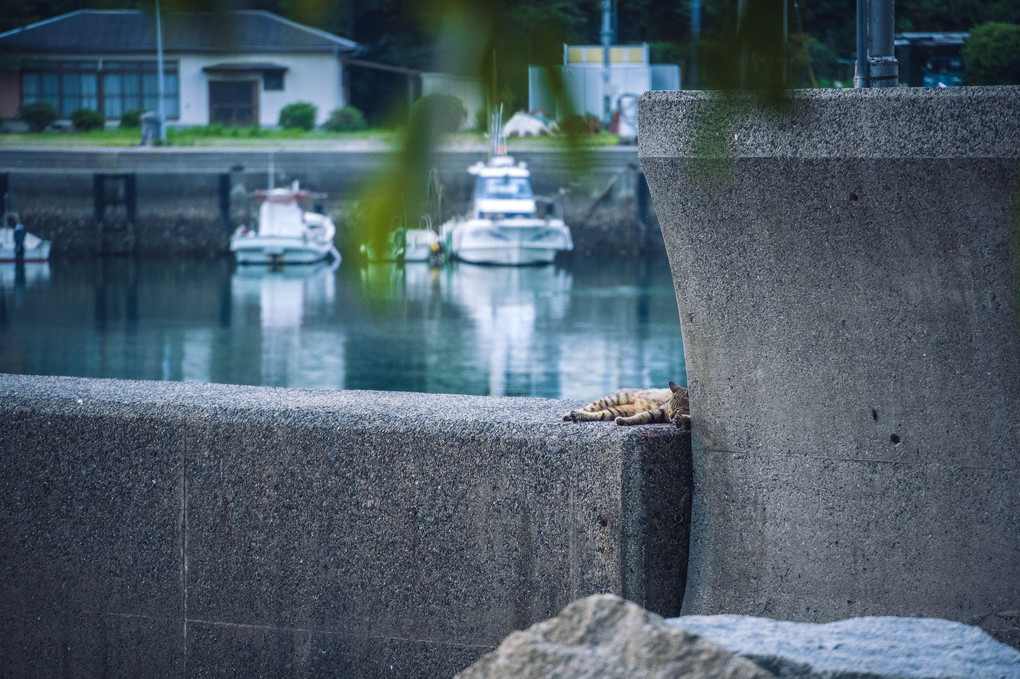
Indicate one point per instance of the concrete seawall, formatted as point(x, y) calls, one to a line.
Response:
point(174, 530)
point(847, 277)
point(179, 210)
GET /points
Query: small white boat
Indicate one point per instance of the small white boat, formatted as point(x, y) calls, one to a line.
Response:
point(504, 226)
point(421, 244)
point(286, 233)
point(12, 233)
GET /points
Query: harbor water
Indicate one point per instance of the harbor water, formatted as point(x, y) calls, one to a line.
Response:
point(573, 331)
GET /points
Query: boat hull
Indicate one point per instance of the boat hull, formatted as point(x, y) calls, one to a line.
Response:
point(279, 250)
point(35, 248)
point(511, 242)
point(418, 245)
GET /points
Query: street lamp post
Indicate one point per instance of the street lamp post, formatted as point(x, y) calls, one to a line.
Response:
point(159, 76)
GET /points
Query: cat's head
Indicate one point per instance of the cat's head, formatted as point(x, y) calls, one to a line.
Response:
point(679, 408)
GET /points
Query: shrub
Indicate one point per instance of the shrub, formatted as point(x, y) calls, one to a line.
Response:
point(443, 113)
point(85, 119)
point(346, 119)
point(39, 115)
point(991, 54)
point(131, 119)
point(580, 125)
point(300, 115)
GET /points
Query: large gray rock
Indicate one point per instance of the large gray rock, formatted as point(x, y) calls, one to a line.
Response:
point(859, 648)
point(604, 636)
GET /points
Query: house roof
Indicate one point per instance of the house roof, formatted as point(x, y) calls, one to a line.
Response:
point(135, 31)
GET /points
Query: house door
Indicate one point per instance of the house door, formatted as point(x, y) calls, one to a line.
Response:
point(233, 102)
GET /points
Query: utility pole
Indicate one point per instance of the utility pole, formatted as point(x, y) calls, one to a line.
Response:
point(876, 56)
point(607, 36)
point(160, 111)
point(696, 41)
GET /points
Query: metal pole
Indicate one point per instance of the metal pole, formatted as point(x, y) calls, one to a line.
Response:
point(786, 40)
point(606, 34)
point(861, 71)
point(159, 78)
point(741, 30)
point(883, 70)
point(695, 40)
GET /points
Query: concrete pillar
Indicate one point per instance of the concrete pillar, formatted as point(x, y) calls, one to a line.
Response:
point(847, 279)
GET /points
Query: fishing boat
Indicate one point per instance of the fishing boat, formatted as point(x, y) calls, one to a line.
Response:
point(406, 245)
point(504, 225)
point(286, 233)
point(422, 244)
point(17, 244)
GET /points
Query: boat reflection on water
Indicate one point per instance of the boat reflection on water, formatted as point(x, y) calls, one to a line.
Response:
point(576, 331)
point(291, 355)
point(23, 275)
point(505, 304)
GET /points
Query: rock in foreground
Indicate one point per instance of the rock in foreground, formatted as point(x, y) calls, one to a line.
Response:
point(604, 636)
point(874, 647)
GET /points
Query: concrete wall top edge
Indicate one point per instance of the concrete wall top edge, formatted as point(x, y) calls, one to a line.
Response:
point(957, 122)
point(313, 408)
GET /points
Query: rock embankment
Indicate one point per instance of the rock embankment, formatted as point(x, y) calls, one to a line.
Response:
point(605, 636)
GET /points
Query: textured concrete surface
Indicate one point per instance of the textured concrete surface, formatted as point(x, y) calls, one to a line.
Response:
point(847, 280)
point(876, 647)
point(163, 529)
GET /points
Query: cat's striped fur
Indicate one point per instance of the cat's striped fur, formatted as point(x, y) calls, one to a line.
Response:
point(639, 406)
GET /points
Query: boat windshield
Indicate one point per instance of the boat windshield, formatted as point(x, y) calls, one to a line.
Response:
point(503, 188)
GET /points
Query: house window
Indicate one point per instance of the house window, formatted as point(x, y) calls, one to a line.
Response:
point(111, 88)
point(272, 80)
point(134, 86)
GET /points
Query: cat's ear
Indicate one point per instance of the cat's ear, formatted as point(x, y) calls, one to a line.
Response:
point(674, 387)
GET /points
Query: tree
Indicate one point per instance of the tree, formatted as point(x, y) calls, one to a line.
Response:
point(991, 55)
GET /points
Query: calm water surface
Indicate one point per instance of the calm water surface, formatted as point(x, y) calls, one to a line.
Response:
point(574, 331)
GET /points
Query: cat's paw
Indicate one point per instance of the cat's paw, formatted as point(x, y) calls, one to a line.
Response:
point(682, 421)
point(570, 417)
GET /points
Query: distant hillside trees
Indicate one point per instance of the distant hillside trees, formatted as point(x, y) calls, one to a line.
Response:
point(991, 55)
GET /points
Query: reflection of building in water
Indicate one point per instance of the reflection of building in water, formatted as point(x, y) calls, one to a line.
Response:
point(507, 305)
point(291, 355)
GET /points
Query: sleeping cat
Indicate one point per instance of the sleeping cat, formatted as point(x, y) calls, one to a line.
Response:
point(639, 406)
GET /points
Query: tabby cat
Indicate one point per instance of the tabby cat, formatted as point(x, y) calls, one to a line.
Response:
point(639, 406)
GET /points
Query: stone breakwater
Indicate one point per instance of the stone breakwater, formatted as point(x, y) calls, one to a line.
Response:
point(180, 206)
point(170, 530)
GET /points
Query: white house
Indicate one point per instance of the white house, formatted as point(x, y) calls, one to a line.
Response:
point(236, 68)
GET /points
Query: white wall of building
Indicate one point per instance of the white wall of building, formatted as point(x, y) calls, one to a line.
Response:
point(315, 78)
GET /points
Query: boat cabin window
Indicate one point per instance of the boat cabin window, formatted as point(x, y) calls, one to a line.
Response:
point(503, 188)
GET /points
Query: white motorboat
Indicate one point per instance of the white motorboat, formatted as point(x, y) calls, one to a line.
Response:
point(286, 232)
point(13, 234)
point(504, 225)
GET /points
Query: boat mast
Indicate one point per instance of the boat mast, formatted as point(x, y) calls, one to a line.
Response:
point(498, 147)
